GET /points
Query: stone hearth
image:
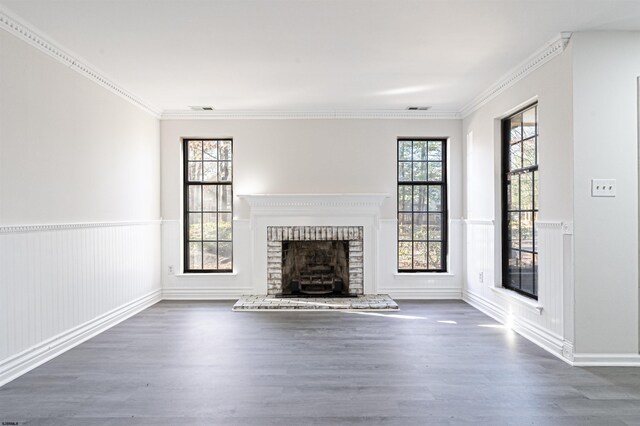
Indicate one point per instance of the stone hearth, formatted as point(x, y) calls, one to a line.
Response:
point(370, 302)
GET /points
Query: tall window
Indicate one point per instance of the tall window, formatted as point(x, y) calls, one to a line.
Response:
point(422, 205)
point(520, 202)
point(208, 205)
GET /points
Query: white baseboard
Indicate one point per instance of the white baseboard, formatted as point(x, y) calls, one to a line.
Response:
point(548, 341)
point(190, 293)
point(422, 293)
point(19, 364)
point(606, 360)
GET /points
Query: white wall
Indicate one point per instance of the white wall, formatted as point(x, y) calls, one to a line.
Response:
point(544, 321)
point(80, 167)
point(606, 67)
point(304, 157)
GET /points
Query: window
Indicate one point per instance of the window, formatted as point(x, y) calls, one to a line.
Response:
point(208, 205)
point(520, 202)
point(422, 205)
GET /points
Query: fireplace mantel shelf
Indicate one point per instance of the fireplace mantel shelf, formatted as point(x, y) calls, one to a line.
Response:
point(313, 201)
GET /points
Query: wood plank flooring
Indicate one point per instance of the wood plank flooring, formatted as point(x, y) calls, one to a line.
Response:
point(198, 363)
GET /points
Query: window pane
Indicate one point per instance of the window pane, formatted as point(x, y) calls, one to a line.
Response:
point(435, 172)
point(405, 198)
point(210, 256)
point(420, 226)
point(435, 255)
point(514, 192)
point(515, 156)
point(419, 150)
point(209, 198)
point(435, 198)
point(435, 226)
point(404, 172)
point(514, 230)
point(224, 203)
point(529, 153)
point(526, 272)
point(404, 150)
point(529, 123)
point(404, 226)
point(224, 226)
point(404, 256)
point(526, 191)
point(210, 150)
point(513, 271)
point(224, 174)
point(516, 128)
point(420, 198)
point(419, 172)
point(195, 198)
point(420, 255)
point(195, 226)
point(225, 150)
point(209, 226)
point(210, 171)
point(526, 231)
point(195, 171)
point(435, 150)
point(195, 150)
point(224, 255)
point(195, 255)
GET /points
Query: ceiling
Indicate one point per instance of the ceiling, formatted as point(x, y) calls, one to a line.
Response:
point(312, 55)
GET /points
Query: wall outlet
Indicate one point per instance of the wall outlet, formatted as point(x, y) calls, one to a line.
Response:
point(171, 269)
point(481, 277)
point(603, 187)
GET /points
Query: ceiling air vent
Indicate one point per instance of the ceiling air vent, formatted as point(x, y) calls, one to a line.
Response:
point(418, 108)
point(201, 108)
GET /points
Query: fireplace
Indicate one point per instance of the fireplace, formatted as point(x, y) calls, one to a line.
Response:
point(315, 260)
point(317, 268)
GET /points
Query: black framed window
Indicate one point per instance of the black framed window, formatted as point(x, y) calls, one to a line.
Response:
point(208, 205)
point(422, 205)
point(520, 201)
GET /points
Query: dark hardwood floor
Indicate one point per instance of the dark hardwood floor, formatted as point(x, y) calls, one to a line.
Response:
point(198, 363)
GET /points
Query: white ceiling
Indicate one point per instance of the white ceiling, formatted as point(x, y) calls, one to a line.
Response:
point(312, 54)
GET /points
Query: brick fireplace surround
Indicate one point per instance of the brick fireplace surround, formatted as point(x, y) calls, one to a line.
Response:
point(277, 234)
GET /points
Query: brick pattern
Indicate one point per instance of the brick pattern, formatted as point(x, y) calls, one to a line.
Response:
point(277, 234)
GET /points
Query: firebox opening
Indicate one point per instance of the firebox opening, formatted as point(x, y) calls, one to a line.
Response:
point(315, 268)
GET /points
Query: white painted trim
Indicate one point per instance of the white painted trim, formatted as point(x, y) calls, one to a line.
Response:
point(547, 340)
point(212, 293)
point(309, 115)
point(606, 360)
point(453, 293)
point(314, 201)
point(19, 364)
point(27, 33)
point(540, 57)
point(12, 229)
point(479, 221)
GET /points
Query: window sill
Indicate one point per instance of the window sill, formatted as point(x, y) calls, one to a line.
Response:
point(206, 274)
point(523, 301)
point(403, 275)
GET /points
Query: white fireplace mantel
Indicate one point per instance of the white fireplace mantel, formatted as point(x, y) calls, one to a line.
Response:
point(314, 210)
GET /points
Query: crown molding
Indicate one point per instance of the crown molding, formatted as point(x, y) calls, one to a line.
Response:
point(307, 115)
point(553, 48)
point(25, 32)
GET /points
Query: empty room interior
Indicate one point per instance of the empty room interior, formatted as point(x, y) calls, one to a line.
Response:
point(290, 212)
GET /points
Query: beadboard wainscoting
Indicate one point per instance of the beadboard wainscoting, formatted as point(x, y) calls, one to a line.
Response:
point(419, 285)
point(543, 321)
point(206, 286)
point(62, 284)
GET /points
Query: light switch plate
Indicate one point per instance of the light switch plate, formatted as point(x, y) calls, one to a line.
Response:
point(603, 187)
